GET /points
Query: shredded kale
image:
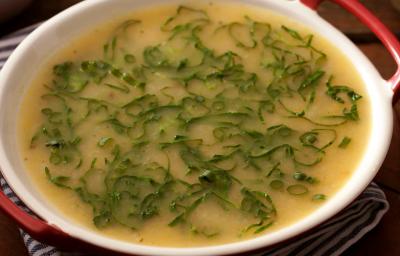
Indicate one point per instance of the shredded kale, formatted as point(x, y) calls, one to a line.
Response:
point(153, 104)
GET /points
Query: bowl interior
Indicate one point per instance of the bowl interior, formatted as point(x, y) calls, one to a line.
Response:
point(21, 68)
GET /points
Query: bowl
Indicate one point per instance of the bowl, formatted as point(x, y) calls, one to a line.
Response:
point(56, 230)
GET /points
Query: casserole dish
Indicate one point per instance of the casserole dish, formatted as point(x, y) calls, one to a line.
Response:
point(58, 231)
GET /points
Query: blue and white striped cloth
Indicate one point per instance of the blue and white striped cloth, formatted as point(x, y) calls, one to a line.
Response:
point(331, 238)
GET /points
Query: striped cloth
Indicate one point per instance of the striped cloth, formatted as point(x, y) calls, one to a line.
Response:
point(331, 238)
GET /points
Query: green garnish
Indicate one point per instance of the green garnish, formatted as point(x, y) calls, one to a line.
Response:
point(104, 141)
point(297, 190)
point(319, 197)
point(59, 181)
point(129, 58)
point(300, 176)
point(345, 142)
point(276, 184)
point(244, 113)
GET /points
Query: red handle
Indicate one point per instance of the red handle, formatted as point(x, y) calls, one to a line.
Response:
point(48, 234)
point(37, 228)
point(381, 31)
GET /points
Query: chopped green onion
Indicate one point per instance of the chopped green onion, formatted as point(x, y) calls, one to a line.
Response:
point(129, 58)
point(345, 142)
point(297, 190)
point(276, 184)
point(319, 197)
point(104, 141)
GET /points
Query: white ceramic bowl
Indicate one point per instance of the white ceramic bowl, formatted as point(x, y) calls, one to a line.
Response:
point(47, 39)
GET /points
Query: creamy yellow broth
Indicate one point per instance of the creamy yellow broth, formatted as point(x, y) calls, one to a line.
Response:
point(211, 223)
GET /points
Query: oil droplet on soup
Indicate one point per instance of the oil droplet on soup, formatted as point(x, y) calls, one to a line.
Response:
point(205, 129)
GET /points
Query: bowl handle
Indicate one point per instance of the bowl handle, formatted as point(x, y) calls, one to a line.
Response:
point(380, 30)
point(38, 229)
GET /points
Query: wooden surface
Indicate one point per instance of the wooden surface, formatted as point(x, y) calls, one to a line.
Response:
point(385, 238)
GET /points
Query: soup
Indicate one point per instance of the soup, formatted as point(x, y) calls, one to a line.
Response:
point(174, 126)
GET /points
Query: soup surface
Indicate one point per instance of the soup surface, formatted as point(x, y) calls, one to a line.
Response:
point(179, 126)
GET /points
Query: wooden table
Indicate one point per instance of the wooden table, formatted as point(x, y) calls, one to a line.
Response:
point(385, 238)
